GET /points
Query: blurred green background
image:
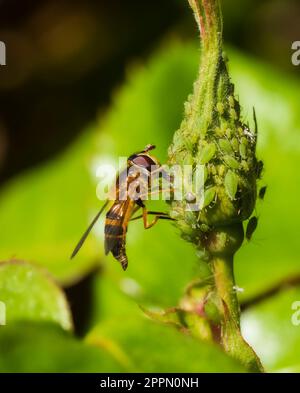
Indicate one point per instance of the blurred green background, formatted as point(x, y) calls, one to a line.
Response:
point(86, 82)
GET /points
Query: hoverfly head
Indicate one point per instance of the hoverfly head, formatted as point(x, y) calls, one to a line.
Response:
point(143, 159)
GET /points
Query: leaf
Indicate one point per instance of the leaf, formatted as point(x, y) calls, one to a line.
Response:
point(31, 295)
point(42, 213)
point(55, 203)
point(231, 184)
point(276, 238)
point(37, 347)
point(272, 329)
point(146, 346)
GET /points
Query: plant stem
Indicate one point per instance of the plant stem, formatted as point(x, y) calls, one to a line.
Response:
point(212, 116)
point(231, 337)
point(224, 283)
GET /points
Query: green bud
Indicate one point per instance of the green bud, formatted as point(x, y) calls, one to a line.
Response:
point(214, 134)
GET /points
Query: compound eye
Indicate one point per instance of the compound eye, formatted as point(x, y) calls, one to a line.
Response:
point(143, 161)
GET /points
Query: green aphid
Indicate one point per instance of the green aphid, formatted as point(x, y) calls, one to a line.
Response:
point(259, 168)
point(224, 127)
point(184, 227)
point(225, 146)
point(262, 192)
point(220, 108)
point(209, 196)
point(221, 170)
point(212, 170)
point(245, 166)
point(218, 131)
point(175, 214)
point(231, 162)
point(231, 101)
point(233, 114)
point(235, 144)
point(240, 132)
point(243, 151)
point(251, 226)
point(244, 141)
point(218, 180)
point(231, 184)
point(228, 133)
point(187, 108)
point(204, 228)
point(207, 153)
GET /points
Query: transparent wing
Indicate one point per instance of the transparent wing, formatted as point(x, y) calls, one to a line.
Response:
point(86, 233)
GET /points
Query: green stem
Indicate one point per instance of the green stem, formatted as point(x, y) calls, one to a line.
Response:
point(231, 337)
point(224, 284)
point(213, 116)
point(213, 74)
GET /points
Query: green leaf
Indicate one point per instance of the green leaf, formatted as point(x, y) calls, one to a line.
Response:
point(276, 237)
point(56, 202)
point(272, 328)
point(37, 347)
point(146, 346)
point(45, 211)
point(29, 294)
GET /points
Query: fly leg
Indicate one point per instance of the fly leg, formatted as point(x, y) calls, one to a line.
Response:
point(158, 215)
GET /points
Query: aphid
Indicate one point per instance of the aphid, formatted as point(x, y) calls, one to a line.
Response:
point(262, 192)
point(220, 108)
point(243, 151)
point(231, 162)
point(209, 196)
point(251, 226)
point(225, 146)
point(235, 144)
point(259, 169)
point(121, 211)
point(231, 184)
point(207, 153)
point(231, 101)
point(233, 114)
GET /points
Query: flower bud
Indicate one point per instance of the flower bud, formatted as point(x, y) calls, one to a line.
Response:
point(214, 134)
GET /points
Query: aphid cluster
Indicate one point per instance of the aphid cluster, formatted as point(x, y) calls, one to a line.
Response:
point(226, 149)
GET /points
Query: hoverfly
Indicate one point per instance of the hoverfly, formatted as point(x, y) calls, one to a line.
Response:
point(122, 209)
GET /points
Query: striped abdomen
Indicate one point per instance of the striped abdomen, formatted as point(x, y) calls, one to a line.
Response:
point(115, 230)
